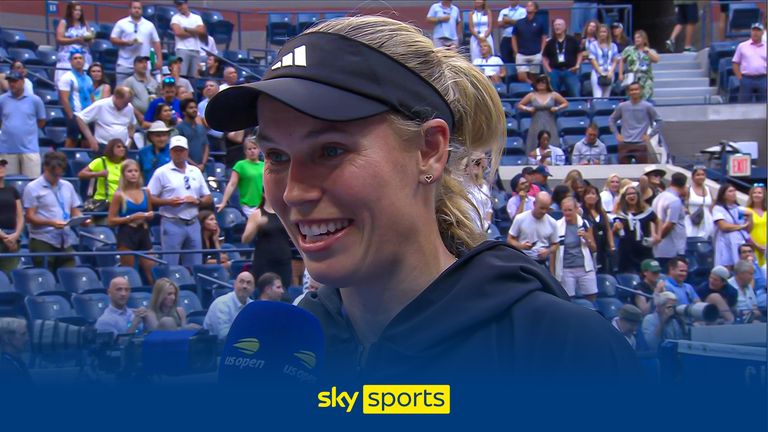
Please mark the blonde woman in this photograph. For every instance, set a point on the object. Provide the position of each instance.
(609, 197)
(481, 28)
(604, 56)
(164, 312)
(756, 203)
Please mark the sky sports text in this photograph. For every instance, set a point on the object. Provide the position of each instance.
(391, 399)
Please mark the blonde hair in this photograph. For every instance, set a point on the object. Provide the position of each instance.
(607, 185)
(479, 123)
(123, 167)
(157, 290)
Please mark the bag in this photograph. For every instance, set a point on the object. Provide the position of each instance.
(92, 205)
(604, 81)
(697, 217)
(629, 78)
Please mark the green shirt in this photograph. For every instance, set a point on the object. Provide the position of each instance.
(113, 178)
(251, 182)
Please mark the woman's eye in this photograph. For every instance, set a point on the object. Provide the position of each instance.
(276, 157)
(332, 151)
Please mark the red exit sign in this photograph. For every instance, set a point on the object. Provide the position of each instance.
(740, 165)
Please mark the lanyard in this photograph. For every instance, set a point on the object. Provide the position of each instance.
(56, 190)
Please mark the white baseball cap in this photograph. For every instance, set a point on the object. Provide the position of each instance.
(179, 141)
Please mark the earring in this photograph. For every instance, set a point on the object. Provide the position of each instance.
(429, 178)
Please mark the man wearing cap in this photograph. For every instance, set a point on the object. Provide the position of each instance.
(677, 271)
(629, 320)
(540, 175)
(717, 291)
(663, 324)
(530, 176)
(669, 241)
(21, 115)
(447, 20)
(112, 117)
(178, 190)
(637, 117)
(589, 150)
(195, 133)
(156, 152)
(75, 94)
(168, 97)
(534, 231)
(189, 31)
(142, 85)
(561, 59)
(17, 66)
(749, 66)
(650, 285)
(134, 37)
(174, 69)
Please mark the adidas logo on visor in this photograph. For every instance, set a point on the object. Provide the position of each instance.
(297, 57)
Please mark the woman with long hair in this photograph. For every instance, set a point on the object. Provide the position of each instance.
(731, 227)
(478, 188)
(589, 34)
(634, 224)
(210, 234)
(597, 217)
(481, 28)
(164, 312)
(101, 87)
(542, 103)
(698, 221)
(248, 178)
(131, 210)
(609, 197)
(272, 246)
(604, 57)
(106, 169)
(619, 37)
(638, 59)
(757, 204)
(72, 33)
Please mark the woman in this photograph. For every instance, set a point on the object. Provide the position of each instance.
(11, 222)
(589, 34)
(572, 263)
(544, 154)
(210, 234)
(638, 61)
(248, 178)
(101, 87)
(72, 33)
(756, 203)
(492, 66)
(634, 224)
(164, 312)
(559, 193)
(520, 200)
(479, 191)
(481, 28)
(575, 182)
(353, 181)
(609, 197)
(597, 218)
(271, 244)
(544, 103)
(165, 114)
(604, 57)
(131, 211)
(106, 170)
(698, 221)
(618, 36)
(731, 227)
(647, 193)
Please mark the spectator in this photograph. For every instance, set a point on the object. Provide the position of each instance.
(561, 59)
(544, 103)
(749, 66)
(618, 36)
(655, 175)
(50, 204)
(106, 170)
(637, 64)
(75, 94)
(546, 154)
(605, 57)
(118, 318)
(530, 174)
(508, 17)
(157, 153)
(135, 37)
(609, 197)
(651, 285)
(647, 193)
(687, 16)
(528, 41)
(189, 31)
(756, 203)
(747, 253)
(628, 322)
(14, 340)
(731, 227)
(270, 287)
(215, 138)
(598, 219)
(589, 150)
(481, 28)
(583, 12)
(560, 192)
(575, 181)
(230, 77)
(143, 86)
(572, 263)
(195, 133)
(272, 248)
(178, 189)
(492, 66)
(698, 220)
(72, 35)
(113, 118)
(447, 20)
(478, 190)
(17, 66)
(521, 201)
(717, 291)
(101, 87)
(164, 312)
(634, 225)
(670, 239)
(165, 114)
(743, 279)
(677, 270)
(174, 70)
(213, 67)
(131, 210)
(168, 97)
(534, 231)
(21, 115)
(11, 221)
(636, 116)
(210, 234)
(589, 34)
(540, 174)
(224, 309)
(182, 94)
(209, 46)
(663, 324)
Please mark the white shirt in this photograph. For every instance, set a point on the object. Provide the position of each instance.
(110, 123)
(127, 29)
(191, 21)
(490, 66)
(222, 313)
(170, 182)
(514, 13)
(608, 200)
(28, 88)
(210, 46)
(747, 299)
(541, 233)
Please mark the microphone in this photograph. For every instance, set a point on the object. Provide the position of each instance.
(274, 343)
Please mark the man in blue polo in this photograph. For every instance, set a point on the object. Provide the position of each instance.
(678, 272)
(528, 42)
(21, 115)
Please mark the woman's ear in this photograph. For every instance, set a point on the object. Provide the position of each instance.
(434, 150)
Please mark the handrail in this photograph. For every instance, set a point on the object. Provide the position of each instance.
(218, 282)
(230, 63)
(634, 291)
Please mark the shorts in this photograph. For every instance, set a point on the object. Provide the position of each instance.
(133, 238)
(73, 130)
(26, 164)
(579, 281)
(521, 60)
(687, 13)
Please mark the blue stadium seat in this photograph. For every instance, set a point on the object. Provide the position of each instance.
(163, 15)
(47, 57)
(628, 280)
(221, 31)
(524, 125)
(177, 274)
(26, 55)
(514, 146)
(189, 301)
(725, 72)
(49, 97)
(210, 17)
(509, 109)
(585, 71)
(218, 197)
(238, 56)
(740, 19)
(518, 90)
(603, 107)
(215, 271)
(568, 141)
(584, 303)
(306, 20)
(50, 307)
(148, 12)
(603, 124)
(609, 307)
(721, 50)
(55, 114)
(606, 285)
(79, 280)
(516, 160)
(232, 223)
(513, 129)
(139, 299)
(216, 170)
(33, 281)
(575, 109)
(17, 39)
(103, 236)
(332, 15)
(501, 89)
(104, 30)
(130, 273)
(19, 182)
(572, 125)
(90, 306)
(280, 28)
(237, 266)
(11, 301)
(108, 57)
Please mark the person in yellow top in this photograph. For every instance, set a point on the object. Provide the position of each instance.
(106, 170)
(757, 204)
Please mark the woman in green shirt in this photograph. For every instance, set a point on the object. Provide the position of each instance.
(106, 170)
(247, 176)
(638, 59)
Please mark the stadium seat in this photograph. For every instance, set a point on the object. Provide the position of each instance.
(524, 125)
(232, 222)
(237, 266)
(50, 307)
(16, 39)
(514, 146)
(109, 57)
(26, 55)
(57, 134)
(332, 15)
(584, 303)
(740, 19)
(149, 12)
(104, 30)
(606, 285)
(306, 20)
(96, 236)
(628, 280)
(721, 50)
(221, 31)
(572, 125)
(139, 299)
(238, 56)
(513, 130)
(19, 182)
(210, 17)
(611, 143)
(177, 274)
(517, 160)
(33, 281)
(509, 109)
(90, 306)
(47, 57)
(189, 301)
(603, 124)
(11, 301)
(279, 28)
(518, 90)
(568, 141)
(609, 307)
(79, 280)
(214, 271)
(130, 273)
(585, 71)
(163, 15)
(501, 89)
(603, 107)
(575, 109)
(49, 97)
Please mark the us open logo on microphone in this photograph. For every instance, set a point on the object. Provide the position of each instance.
(248, 346)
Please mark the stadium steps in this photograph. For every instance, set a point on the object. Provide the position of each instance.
(682, 79)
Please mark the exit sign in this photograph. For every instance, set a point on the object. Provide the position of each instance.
(740, 165)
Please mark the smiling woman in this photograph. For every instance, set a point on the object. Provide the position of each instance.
(364, 124)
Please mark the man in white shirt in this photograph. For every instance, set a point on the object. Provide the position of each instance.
(113, 117)
(134, 36)
(229, 76)
(224, 309)
(507, 19)
(178, 190)
(188, 29)
(534, 231)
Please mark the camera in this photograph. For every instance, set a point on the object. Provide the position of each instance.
(698, 312)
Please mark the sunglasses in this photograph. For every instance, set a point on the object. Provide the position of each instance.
(760, 185)
(169, 80)
(187, 186)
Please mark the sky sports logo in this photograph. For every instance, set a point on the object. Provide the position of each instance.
(391, 399)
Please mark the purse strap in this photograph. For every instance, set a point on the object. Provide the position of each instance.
(94, 181)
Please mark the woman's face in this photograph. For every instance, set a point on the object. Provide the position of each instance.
(120, 151)
(590, 197)
(479, 4)
(485, 49)
(616, 32)
(758, 196)
(569, 211)
(613, 184)
(544, 141)
(631, 196)
(132, 173)
(320, 178)
(639, 41)
(523, 185)
(77, 12)
(603, 34)
(541, 86)
(730, 195)
(699, 177)
(591, 29)
(168, 297)
(252, 152)
(96, 73)
(210, 223)
(166, 114)
(210, 62)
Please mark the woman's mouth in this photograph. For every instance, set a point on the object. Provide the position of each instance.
(316, 232)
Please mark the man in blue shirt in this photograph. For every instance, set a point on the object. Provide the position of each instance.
(168, 97)
(75, 94)
(117, 318)
(21, 115)
(747, 253)
(528, 40)
(195, 133)
(156, 153)
(678, 272)
(447, 20)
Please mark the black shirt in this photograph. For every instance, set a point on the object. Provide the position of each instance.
(569, 47)
(8, 197)
(528, 34)
(728, 292)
